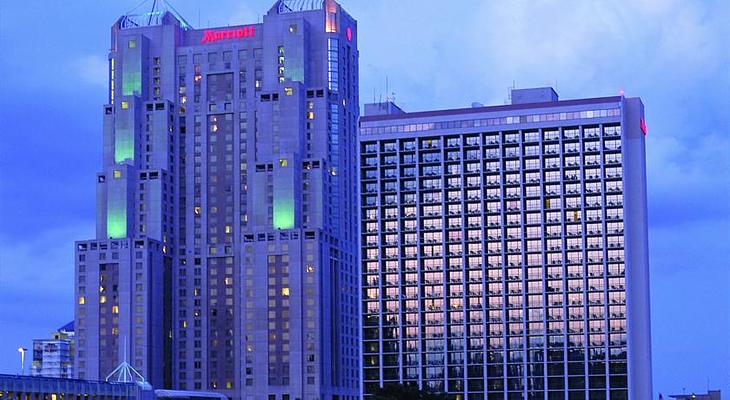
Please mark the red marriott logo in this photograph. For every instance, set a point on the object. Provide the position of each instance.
(238, 33)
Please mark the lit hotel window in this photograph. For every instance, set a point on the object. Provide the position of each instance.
(310, 115)
(292, 28)
(285, 291)
(283, 162)
(82, 300)
(132, 44)
(117, 174)
(288, 91)
(115, 309)
(125, 105)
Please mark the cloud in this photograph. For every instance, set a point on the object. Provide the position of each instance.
(39, 271)
(91, 69)
(36, 287)
(688, 179)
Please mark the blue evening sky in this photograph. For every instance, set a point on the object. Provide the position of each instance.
(674, 54)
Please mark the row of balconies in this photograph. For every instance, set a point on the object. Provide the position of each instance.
(571, 278)
(409, 157)
(499, 306)
(514, 278)
(474, 142)
(474, 252)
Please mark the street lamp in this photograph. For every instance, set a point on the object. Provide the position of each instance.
(22, 351)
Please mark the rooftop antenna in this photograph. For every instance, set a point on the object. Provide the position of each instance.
(152, 12)
(386, 89)
(509, 92)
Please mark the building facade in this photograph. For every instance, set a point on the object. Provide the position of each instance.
(504, 249)
(53, 357)
(225, 256)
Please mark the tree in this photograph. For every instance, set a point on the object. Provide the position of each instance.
(397, 391)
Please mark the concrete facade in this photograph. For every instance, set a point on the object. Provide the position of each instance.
(226, 252)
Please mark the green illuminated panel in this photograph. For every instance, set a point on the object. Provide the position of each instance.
(283, 213)
(123, 145)
(131, 71)
(131, 82)
(116, 221)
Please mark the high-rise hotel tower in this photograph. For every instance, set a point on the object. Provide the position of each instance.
(225, 255)
(504, 249)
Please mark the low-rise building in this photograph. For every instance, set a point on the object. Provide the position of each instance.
(53, 358)
(19, 387)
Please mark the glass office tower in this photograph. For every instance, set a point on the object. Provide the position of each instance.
(504, 249)
(225, 257)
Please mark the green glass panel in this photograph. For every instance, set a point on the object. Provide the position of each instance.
(123, 145)
(116, 221)
(131, 81)
(283, 213)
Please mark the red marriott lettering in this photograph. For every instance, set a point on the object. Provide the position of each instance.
(238, 33)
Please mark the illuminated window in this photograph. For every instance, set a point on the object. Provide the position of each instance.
(285, 291)
(292, 28)
(283, 162)
(117, 174)
(310, 268)
(115, 331)
(102, 299)
(132, 44)
(115, 309)
(228, 229)
(125, 105)
(257, 83)
(281, 79)
(281, 70)
(196, 210)
(281, 60)
(310, 115)
(288, 91)
(82, 300)
(281, 50)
